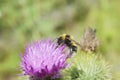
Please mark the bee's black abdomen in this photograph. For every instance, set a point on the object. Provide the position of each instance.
(74, 48)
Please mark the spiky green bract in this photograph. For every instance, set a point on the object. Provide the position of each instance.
(88, 66)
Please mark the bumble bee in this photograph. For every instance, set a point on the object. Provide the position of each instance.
(70, 43)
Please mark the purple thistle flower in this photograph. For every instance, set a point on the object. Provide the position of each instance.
(42, 60)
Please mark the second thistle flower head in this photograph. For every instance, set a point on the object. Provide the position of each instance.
(43, 60)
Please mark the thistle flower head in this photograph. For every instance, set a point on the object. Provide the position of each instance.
(43, 60)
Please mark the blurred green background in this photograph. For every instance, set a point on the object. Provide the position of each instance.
(24, 21)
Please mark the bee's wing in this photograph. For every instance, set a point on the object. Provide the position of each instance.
(54, 40)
